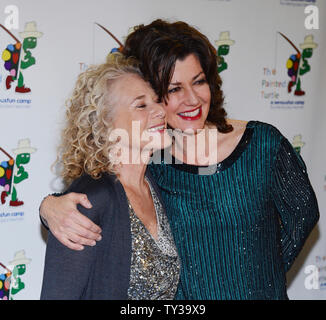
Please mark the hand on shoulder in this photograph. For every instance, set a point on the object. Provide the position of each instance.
(66, 223)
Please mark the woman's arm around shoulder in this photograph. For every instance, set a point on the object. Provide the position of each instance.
(66, 271)
(60, 214)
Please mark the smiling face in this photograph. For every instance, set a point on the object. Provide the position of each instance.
(135, 104)
(189, 96)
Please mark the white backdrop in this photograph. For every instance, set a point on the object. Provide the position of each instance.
(70, 41)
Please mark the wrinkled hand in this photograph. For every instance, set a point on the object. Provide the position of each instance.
(67, 224)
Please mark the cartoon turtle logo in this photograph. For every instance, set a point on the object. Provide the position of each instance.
(297, 143)
(18, 56)
(18, 266)
(12, 172)
(298, 65)
(223, 48)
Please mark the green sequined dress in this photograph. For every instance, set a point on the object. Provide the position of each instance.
(239, 226)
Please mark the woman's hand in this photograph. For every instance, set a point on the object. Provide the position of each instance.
(67, 224)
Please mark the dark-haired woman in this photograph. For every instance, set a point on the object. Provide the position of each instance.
(238, 222)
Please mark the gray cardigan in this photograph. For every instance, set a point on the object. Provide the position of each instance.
(102, 271)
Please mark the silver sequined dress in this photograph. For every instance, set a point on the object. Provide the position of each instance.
(155, 265)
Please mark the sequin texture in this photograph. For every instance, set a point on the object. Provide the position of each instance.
(155, 265)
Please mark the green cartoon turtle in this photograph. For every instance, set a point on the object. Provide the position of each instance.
(298, 65)
(13, 172)
(18, 57)
(223, 49)
(19, 268)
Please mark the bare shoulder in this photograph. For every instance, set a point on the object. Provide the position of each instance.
(238, 125)
(227, 142)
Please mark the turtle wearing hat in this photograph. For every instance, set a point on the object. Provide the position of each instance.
(298, 65)
(23, 154)
(297, 143)
(19, 268)
(18, 57)
(223, 49)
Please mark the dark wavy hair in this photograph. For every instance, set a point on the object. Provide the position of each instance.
(158, 45)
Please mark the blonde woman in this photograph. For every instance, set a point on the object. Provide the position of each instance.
(136, 258)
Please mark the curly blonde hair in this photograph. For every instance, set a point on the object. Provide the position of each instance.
(85, 146)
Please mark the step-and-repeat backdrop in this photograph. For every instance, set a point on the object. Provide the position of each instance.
(273, 70)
